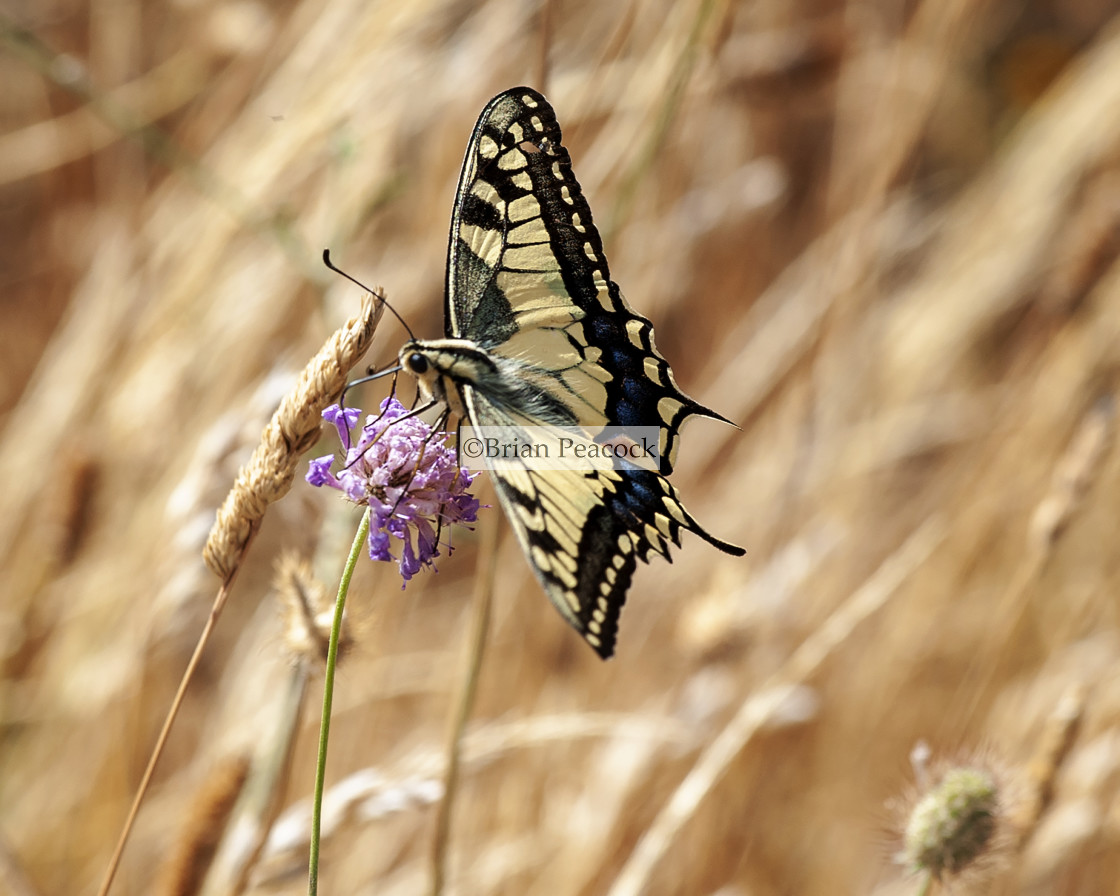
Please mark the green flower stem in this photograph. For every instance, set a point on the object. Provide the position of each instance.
(328, 697)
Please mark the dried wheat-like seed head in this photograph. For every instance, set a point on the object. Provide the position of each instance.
(292, 430)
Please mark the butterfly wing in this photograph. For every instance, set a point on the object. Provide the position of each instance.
(528, 285)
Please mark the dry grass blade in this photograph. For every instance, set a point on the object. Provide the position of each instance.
(307, 612)
(260, 804)
(1073, 476)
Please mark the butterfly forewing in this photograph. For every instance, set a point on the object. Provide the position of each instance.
(527, 277)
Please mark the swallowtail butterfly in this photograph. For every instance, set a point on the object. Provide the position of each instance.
(536, 332)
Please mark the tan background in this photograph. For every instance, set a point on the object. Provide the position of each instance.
(880, 236)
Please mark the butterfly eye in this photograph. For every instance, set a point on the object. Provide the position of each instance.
(417, 363)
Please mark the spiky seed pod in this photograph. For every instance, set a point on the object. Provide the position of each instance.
(954, 824)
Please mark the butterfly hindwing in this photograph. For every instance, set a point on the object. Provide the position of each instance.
(584, 529)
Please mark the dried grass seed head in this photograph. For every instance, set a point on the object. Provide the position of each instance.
(293, 429)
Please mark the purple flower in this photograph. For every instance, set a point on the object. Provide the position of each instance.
(407, 476)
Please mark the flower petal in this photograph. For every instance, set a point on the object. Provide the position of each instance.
(319, 472)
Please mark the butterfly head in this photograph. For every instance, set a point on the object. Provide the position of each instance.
(443, 366)
(417, 359)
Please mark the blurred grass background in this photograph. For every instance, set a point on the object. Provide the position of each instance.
(881, 236)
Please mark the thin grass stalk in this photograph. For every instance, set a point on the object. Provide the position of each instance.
(328, 698)
(667, 110)
(544, 38)
(259, 804)
(165, 731)
(1058, 738)
(1072, 478)
(480, 625)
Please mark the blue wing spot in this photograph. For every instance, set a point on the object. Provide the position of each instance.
(627, 413)
(637, 389)
(602, 327)
(624, 362)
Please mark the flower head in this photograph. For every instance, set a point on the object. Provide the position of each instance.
(960, 823)
(404, 472)
(953, 823)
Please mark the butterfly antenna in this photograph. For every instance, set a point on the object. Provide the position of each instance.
(327, 261)
(375, 375)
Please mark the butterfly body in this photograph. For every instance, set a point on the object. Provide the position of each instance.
(449, 366)
(536, 333)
